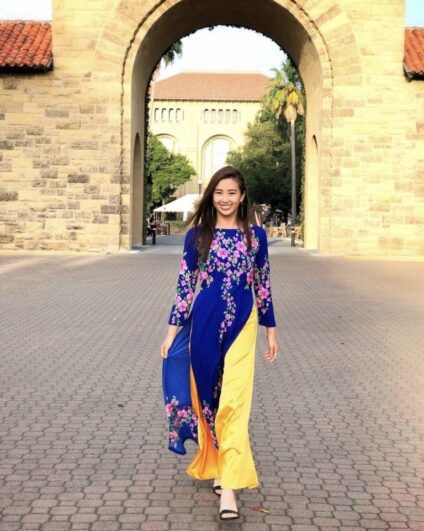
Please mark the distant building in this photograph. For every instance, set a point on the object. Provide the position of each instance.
(203, 115)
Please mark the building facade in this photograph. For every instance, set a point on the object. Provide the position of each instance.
(203, 115)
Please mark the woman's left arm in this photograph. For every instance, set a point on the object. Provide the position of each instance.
(262, 288)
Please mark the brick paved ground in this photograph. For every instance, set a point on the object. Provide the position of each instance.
(337, 424)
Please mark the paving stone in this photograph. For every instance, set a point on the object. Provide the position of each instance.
(337, 423)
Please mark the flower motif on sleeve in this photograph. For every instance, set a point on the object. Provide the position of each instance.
(184, 294)
(262, 283)
(262, 286)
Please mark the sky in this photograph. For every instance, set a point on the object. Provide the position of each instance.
(223, 48)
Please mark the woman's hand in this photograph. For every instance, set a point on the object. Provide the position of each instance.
(271, 354)
(169, 339)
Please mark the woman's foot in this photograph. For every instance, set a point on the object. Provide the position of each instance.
(228, 509)
(217, 487)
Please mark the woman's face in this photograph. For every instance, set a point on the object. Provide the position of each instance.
(227, 197)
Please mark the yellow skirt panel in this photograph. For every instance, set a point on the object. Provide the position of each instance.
(232, 462)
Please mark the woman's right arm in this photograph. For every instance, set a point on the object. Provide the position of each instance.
(186, 285)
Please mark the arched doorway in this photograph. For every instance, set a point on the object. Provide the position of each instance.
(136, 196)
(311, 37)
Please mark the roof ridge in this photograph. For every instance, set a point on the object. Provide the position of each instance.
(25, 21)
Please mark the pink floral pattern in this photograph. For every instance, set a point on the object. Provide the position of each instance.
(178, 418)
(229, 269)
(228, 254)
(262, 286)
(187, 280)
(210, 420)
(209, 412)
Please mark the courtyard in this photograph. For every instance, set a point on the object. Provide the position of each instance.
(337, 425)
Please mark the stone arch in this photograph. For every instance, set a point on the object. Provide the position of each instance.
(316, 35)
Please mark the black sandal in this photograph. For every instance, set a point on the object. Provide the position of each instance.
(215, 488)
(229, 511)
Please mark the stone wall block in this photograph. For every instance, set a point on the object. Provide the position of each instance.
(6, 144)
(56, 113)
(50, 173)
(6, 237)
(9, 196)
(35, 130)
(68, 124)
(78, 178)
(100, 218)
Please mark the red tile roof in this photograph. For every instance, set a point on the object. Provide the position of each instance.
(25, 45)
(217, 86)
(414, 52)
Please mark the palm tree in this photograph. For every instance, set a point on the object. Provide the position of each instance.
(174, 51)
(285, 96)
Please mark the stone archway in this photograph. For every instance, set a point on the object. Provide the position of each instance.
(316, 35)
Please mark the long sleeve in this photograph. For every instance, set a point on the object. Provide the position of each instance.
(186, 284)
(262, 283)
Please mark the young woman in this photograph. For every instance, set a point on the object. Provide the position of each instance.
(209, 354)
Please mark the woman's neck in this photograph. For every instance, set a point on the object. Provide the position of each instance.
(226, 223)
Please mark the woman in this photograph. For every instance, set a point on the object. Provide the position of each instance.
(209, 362)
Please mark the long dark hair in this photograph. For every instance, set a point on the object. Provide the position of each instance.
(204, 215)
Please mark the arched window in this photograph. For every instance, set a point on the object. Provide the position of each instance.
(234, 116)
(156, 115)
(215, 155)
(227, 116)
(163, 115)
(206, 115)
(220, 116)
(178, 115)
(213, 116)
(170, 142)
(171, 114)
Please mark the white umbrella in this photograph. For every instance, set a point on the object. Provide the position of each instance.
(183, 204)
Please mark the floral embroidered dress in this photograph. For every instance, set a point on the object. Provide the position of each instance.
(219, 313)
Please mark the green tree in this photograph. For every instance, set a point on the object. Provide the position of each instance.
(165, 171)
(265, 158)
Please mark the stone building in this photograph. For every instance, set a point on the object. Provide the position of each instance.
(203, 115)
(72, 122)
